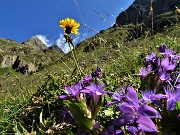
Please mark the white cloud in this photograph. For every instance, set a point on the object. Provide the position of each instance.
(61, 43)
(44, 39)
(65, 46)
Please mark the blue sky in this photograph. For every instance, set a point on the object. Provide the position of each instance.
(22, 19)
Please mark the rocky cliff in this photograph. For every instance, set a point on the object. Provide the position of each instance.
(139, 12)
(27, 57)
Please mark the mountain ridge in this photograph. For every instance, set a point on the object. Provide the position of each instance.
(108, 41)
(139, 12)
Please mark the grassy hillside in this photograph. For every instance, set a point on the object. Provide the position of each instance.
(119, 51)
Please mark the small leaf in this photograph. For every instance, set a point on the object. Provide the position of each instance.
(79, 112)
(178, 105)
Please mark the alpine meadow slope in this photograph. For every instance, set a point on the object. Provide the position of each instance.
(32, 75)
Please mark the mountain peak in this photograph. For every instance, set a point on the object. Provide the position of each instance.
(36, 43)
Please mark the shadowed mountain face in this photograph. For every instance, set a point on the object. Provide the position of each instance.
(139, 12)
(55, 48)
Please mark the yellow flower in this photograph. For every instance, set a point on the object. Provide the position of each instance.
(69, 25)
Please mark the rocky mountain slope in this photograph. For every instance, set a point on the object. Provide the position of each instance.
(139, 12)
(36, 43)
(27, 57)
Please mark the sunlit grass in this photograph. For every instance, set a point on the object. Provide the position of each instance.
(119, 58)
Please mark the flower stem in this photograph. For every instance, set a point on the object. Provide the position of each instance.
(75, 58)
(177, 79)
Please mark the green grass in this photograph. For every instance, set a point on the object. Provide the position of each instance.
(120, 59)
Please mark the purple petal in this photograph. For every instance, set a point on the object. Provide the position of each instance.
(133, 130)
(77, 88)
(158, 103)
(149, 111)
(63, 97)
(117, 96)
(159, 96)
(126, 108)
(171, 105)
(69, 89)
(151, 57)
(123, 120)
(162, 76)
(111, 103)
(165, 63)
(171, 67)
(99, 71)
(88, 78)
(104, 133)
(162, 48)
(132, 95)
(96, 125)
(85, 91)
(117, 132)
(146, 124)
(111, 129)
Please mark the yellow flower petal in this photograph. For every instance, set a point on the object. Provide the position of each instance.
(69, 25)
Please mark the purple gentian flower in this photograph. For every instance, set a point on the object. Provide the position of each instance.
(133, 114)
(165, 51)
(73, 92)
(117, 96)
(132, 111)
(144, 71)
(67, 116)
(175, 59)
(173, 96)
(99, 72)
(96, 125)
(162, 48)
(151, 58)
(86, 80)
(165, 67)
(151, 96)
(97, 91)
